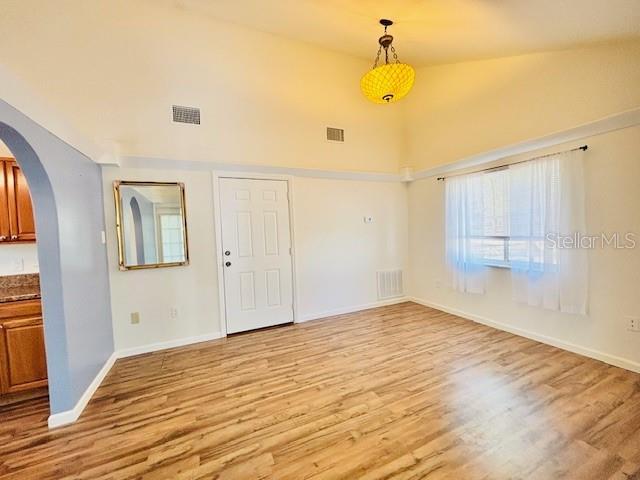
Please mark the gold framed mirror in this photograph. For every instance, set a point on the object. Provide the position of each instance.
(151, 223)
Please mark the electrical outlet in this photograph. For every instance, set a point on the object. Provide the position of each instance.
(173, 313)
(633, 324)
(438, 283)
(135, 318)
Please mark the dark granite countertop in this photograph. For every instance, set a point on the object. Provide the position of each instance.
(14, 288)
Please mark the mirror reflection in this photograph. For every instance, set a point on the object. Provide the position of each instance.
(151, 224)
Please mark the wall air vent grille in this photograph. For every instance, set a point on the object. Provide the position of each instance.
(335, 134)
(186, 115)
(389, 284)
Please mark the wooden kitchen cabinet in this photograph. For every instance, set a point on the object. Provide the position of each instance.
(23, 363)
(17, 223)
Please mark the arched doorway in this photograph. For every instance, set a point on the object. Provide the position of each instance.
(66, 192)
(44, 206)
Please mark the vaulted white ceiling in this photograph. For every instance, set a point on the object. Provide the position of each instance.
(434, 31)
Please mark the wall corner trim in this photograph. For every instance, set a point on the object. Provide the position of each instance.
(248, 169)
(554, 342)
(70, 416)
(617, 121)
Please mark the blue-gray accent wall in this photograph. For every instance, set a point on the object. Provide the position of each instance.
(66, 190)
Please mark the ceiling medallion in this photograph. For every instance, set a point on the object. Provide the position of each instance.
(388, 82)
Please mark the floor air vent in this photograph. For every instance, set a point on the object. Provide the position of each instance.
(186, 115)
(389, 284)
(335, 134)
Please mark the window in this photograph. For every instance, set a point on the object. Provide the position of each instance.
(492, 245)
(171, 237)
(500, 227)
(509, 217)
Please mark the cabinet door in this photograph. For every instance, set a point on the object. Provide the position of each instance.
(21, 221)
(23, 355)
(5, 232)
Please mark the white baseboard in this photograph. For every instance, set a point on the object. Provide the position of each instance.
(355, 308)
(180, 342)
(194, 165)
(70, 416)
(554, 342)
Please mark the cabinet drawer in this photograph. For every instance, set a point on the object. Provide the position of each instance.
(20, 309)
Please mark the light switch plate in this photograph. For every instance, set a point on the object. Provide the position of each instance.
(135, 318)
(368, 219)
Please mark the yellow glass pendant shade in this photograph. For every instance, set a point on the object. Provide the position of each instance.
(388, 83)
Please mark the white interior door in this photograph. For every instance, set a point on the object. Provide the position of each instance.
(256, 245)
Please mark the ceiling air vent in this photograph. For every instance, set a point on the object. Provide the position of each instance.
(186, 115)
(335, 134)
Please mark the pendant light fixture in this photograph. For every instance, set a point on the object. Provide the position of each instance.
(388, 82)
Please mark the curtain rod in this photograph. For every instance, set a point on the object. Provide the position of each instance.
(583, 148)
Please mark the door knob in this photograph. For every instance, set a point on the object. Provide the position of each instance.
(14, 237)
(3, 238)
(228, 264)
(227, 253)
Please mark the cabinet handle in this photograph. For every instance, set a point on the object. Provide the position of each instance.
(14, 237)
(3, 238)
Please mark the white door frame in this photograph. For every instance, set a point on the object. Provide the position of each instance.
(217, 220)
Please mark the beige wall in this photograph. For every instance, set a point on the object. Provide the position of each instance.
(463, 109)
(612, 172)
(336, 253)
(192, 290)
(113, 69)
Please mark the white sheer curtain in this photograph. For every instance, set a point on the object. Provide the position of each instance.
(464, 220)
(547, 202)
(516, 218)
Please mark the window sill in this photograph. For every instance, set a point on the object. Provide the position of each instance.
(497, 265)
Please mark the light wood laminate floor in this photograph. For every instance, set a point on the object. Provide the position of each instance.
(402, 392)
